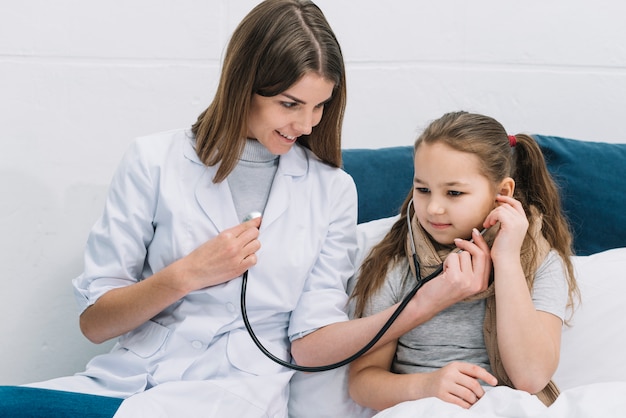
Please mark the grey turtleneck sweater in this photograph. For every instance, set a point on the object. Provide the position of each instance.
(251, 180)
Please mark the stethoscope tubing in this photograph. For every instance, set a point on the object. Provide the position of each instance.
(405, 301)
(367, 347)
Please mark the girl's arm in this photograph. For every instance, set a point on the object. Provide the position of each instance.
(529, 340)
(373, 385)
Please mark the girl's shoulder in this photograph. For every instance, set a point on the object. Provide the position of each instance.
(553, 262)
(398, 282)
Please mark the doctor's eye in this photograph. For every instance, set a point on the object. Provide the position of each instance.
(289, 105)
(423, 190)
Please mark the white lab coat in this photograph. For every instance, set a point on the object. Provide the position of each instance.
(162, 204)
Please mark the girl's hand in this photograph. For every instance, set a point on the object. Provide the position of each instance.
(513, 227)
(224, 257)
(458, 383)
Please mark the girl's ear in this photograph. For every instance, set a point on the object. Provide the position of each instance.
(507, 187)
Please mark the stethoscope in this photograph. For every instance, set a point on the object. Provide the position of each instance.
(421, 281)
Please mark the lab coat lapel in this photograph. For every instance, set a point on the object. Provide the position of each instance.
(291, 165)
(214, 199)
(217, 202)
(278, 200)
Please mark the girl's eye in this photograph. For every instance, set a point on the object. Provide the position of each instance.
(454, 193)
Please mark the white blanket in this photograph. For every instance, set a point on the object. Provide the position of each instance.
(604, 400)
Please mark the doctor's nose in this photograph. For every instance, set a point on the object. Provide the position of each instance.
(304, 125)
(306, 121)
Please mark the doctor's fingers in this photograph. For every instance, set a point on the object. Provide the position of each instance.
(464, 278)
(241, 233)
(233, 240)
(250, 249)
(478, 249)
(254, 223)
(478, 267)
(480, 262)
(224, 254)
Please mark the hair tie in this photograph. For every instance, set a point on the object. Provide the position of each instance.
(512, 140)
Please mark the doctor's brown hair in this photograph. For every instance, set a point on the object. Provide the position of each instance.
(534, 187)
(273, 47)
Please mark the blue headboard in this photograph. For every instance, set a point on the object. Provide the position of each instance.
(383, 177)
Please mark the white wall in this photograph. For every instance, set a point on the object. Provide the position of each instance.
(79, 80)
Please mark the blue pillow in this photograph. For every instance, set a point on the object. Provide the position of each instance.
(592, 181)
(383, 177)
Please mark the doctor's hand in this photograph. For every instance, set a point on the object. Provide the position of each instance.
(216, 261)
(225, 257)
(465, 274)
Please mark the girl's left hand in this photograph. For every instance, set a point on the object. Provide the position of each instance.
(513, 226)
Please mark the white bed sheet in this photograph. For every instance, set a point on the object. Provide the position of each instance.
(604, 400)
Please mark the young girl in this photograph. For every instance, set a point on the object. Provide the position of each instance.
(471, 176)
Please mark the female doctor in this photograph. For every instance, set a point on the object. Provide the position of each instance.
(164, 263)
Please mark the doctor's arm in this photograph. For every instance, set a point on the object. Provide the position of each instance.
(218, 260)
(465, 274)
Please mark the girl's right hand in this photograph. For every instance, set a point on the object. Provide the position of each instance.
(458, 383)
(223, 258)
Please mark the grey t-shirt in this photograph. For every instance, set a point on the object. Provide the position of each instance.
(456, 333)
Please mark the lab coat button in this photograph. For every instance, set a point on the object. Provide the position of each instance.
(197, 344)
(230, 307)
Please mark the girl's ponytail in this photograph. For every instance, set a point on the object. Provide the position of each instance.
(534, 186)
